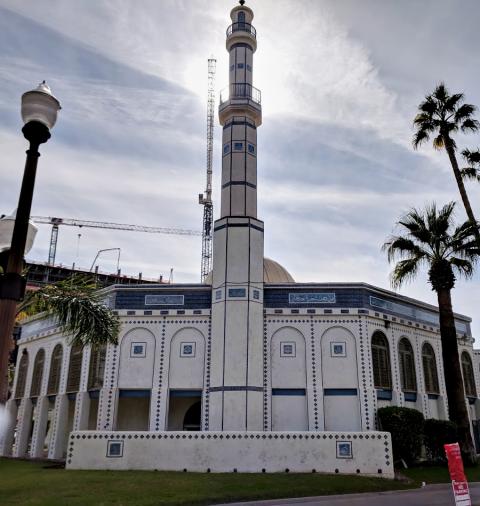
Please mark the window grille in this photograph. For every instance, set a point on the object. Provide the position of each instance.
(22, 376)
(37, 373)
(407, 366)
(468, 378)
(381, 361)
(74, 368)
(97, 367)
(55, 370)
(430, 369)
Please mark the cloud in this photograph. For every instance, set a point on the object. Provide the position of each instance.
(340, 83)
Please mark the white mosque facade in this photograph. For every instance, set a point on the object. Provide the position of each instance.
(250, 372)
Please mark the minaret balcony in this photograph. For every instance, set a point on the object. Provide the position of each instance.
(242, 27)
(241, 33)
(241, 91)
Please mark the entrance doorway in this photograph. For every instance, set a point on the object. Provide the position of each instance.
(185, 410)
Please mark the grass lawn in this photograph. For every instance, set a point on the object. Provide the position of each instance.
(38, 483)
(438, 474)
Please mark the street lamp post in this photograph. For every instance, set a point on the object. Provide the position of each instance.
(39, 114)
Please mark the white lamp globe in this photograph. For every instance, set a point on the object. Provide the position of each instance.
(40, 105)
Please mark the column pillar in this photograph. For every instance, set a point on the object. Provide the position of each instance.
(39, 427)
(7, 436)
(23, 427)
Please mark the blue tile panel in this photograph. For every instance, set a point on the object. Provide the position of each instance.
(135, 299)
(351, 297)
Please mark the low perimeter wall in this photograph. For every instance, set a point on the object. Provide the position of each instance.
(366, 453)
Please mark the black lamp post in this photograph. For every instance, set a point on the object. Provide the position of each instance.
(39, 114)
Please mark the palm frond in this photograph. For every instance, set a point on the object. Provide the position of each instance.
(399, 247)
(470, 125)
(464, 112)
(438, 142)
(404, 271)
(462, 266)
(470, 173)
(420, 137)
(471, 157)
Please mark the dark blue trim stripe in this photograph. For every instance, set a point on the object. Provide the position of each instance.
(232, 225)
(241, 44)
(289, 391)
(134, 393)
(410, 396)
(94, 394)
(185, 393)
(340, 392)
(235, 183)
(383, 394)
(433, 396)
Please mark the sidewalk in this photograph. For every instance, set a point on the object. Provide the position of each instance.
(431, 495)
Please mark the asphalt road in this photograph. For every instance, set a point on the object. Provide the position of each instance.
(435, 495)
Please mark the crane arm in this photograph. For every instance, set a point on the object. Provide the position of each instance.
(114, 226)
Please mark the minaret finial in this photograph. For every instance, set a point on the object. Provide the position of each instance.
(241, 2)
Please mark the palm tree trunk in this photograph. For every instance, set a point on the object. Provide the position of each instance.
(461, 187)
(453, 375)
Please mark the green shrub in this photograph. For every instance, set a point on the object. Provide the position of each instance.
(436, 434)
(406, 427)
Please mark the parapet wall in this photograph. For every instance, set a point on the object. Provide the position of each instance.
(365, 453)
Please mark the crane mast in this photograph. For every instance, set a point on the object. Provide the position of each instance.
(205, 199)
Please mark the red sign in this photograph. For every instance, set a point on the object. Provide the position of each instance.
(457, 475)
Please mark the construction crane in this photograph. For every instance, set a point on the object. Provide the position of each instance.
(205, 199)
(56, 222)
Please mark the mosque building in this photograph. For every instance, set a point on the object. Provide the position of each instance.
(250, 371)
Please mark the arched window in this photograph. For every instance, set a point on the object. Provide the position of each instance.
(468, 377)
(241, 17)
(55, 370)
(381, 361)
(97, 367)
(407, 366)
(430, 369)
(22, 375)
(75, 368)
(37, 373)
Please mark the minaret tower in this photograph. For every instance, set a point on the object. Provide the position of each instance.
(236, 399)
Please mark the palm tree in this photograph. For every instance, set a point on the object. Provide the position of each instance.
(77, 306)
(429, 239)
(472, 171)
(441, 115)
(76, 303)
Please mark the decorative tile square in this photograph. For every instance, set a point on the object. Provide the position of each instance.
(237, 292)
(287, 349)
(138, 350)
(187, 350)
(115, 449)
(344, 450)
(338, 349)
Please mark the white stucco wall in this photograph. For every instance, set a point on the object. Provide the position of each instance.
(241, 451)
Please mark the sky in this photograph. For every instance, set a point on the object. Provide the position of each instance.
(340, 82)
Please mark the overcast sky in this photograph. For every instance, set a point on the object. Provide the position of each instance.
(340, 83)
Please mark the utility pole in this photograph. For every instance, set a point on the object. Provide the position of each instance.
(205, 199)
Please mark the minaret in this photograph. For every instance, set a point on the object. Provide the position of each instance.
(236, 398)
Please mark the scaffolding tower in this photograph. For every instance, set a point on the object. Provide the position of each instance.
(205, 199)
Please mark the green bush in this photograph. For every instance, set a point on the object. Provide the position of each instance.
(406, 427)
(436, 434)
